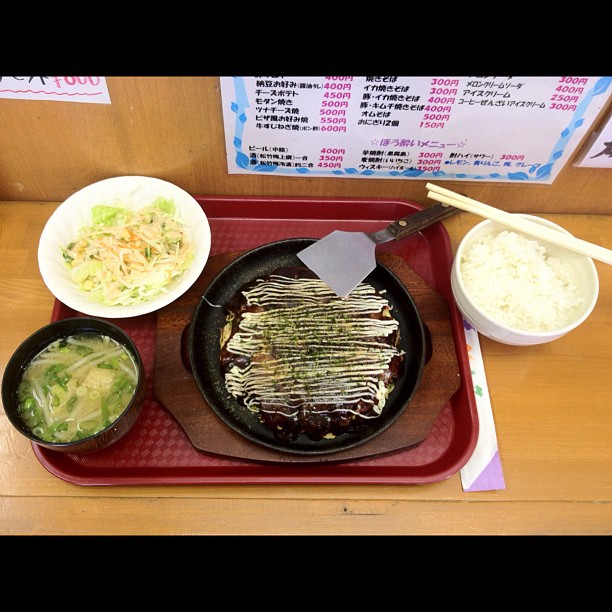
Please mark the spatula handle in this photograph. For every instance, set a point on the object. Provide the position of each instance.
(420, 220)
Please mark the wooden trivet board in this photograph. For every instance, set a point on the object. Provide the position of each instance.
(175, 387)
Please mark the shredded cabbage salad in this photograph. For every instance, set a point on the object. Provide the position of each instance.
(127, 257)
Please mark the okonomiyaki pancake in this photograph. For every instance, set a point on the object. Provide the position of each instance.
(307, 361)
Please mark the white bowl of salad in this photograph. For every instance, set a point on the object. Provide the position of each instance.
(124, 247)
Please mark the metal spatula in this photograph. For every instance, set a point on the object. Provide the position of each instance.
(344, 259)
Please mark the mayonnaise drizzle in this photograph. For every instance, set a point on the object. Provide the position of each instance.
(307, 346)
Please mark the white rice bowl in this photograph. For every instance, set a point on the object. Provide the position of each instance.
(516, 289)
(131, 192)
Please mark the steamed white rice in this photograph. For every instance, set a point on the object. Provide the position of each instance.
(510, 277)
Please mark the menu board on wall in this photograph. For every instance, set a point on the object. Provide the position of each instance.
(598, 154)
(496, 129)
(92, 90)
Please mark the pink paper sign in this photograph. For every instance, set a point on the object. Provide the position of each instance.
(92, 90)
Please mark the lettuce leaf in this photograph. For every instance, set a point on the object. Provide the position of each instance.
(102, 214)
(79, 274)
(165, 205)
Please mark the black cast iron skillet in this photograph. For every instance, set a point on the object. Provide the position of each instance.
(204, 348)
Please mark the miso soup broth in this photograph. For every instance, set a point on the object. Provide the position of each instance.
(76, 387)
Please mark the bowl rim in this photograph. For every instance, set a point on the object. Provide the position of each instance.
(527, 334)
(19, 366)
(77, 205)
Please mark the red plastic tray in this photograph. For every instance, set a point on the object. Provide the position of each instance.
(157, 451)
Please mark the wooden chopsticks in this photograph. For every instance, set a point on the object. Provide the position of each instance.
(518, 223)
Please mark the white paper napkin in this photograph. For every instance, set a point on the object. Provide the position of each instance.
(483, 471)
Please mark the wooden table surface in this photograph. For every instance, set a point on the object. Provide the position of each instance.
(552, 406)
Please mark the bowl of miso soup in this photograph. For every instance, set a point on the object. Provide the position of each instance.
(75, 386)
